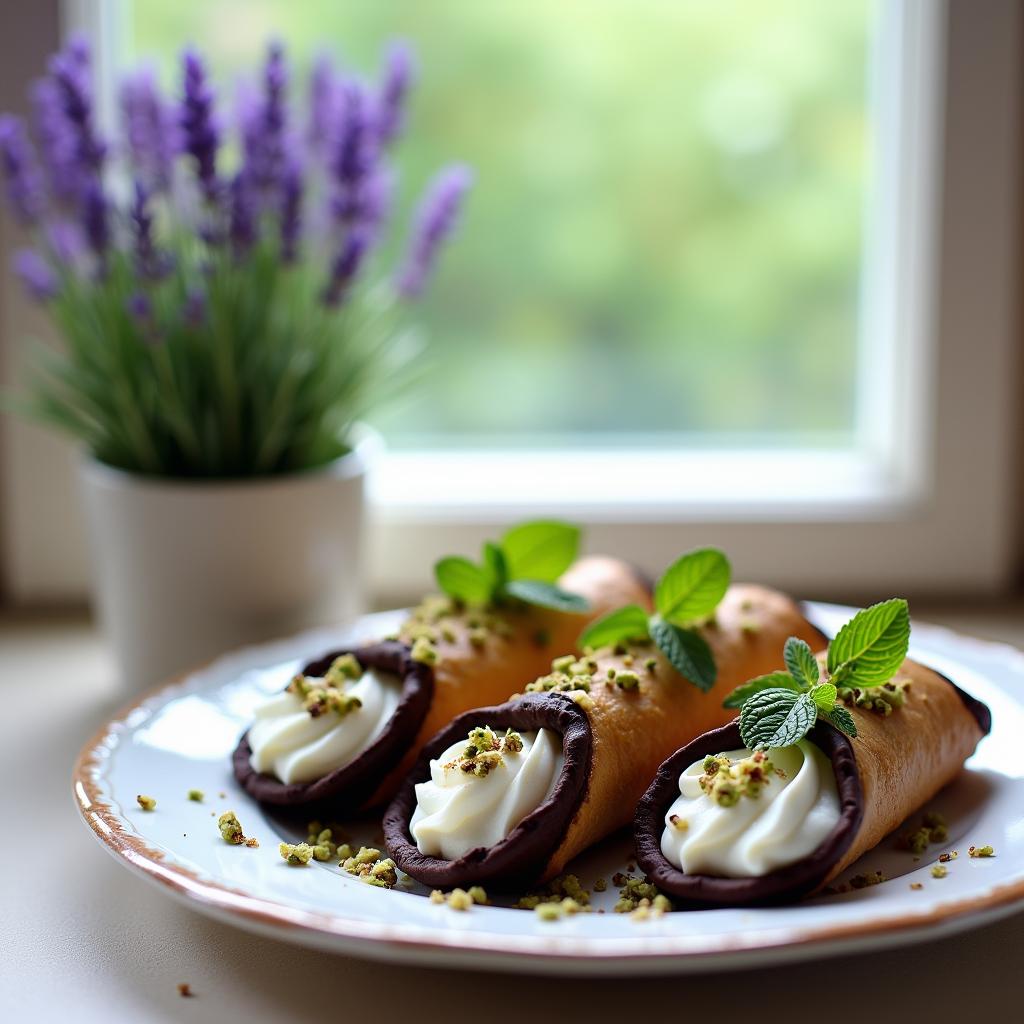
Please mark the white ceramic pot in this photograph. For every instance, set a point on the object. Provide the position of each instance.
(185, 570)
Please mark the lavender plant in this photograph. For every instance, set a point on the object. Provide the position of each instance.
(216, 280)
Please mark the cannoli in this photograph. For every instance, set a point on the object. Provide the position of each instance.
(508, 795)
(347, 728)
(727, 822)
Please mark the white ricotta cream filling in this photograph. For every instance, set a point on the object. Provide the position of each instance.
(457, 811)
(289, 743)
(791, 814)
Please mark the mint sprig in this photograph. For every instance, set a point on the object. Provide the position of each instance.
(780, 709)
(687, 593)
(523, 565)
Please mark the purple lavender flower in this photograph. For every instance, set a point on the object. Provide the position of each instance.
(149, 261)
(355, 153)
(243, 215)
(435, 220)
(56, 141)
(150, 130)
(96, 221)
(346, 266)
(20, 173)
(291, 211)
(195, 307)
(399, 73)
(323, 104)
(200, 135)
(36, 275)
(139, 307)
(64, 240)
(265, 129)
(70, 71)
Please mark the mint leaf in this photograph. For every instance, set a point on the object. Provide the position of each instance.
(800, 661)
(540, 550)
(464, 580)
(770, 681)
(692, 587)
(842, 720)
(546, 595)
(687, 651)
(870, 648)
(495, 566)
(776, 718)
(824, 697)
(628, 623)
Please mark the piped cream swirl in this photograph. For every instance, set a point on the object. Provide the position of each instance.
(293, 745)
(788, 818)
(458, 811)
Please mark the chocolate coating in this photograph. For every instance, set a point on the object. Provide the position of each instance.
(520, 858)
(780, 886)
(347, 788)
(982, 714)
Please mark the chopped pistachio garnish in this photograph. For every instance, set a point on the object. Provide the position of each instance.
(917, 885)
(230, 828)
(196, 795)
(296, 854)
(147, 803)
(369, 867)
(981, 851)
(560, 908)
(647, 908)
(679, 824)
(750, 627)
(726, 782)
(459, 899)
(883, 700)
(562, 664)
(564, 887)
(864, 881)
(561, 682)
(437, 896)
(939, 871)
(423, 651)
(584, 700)
(945, 858)
(322, 695)
(635, 893)
(344, 667)
(933, 830)
(650, 664)
(627, 680)
(485, 751)
(548, 911)
(600, 885)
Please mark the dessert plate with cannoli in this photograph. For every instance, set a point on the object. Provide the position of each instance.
(554, 764)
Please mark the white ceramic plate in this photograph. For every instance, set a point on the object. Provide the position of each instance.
(181, 738)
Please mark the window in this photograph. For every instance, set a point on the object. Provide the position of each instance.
(739, 272)
(665, 246)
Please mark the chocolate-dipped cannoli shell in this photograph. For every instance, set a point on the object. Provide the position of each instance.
(521, 857)
(632, 730)
(348, 787)
(514, 651)
(896, 764)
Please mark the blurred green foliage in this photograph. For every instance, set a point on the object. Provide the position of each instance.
(666, 232)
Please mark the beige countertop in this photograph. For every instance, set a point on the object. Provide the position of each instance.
(83, 940)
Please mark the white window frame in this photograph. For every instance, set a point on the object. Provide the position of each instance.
(924, 503)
